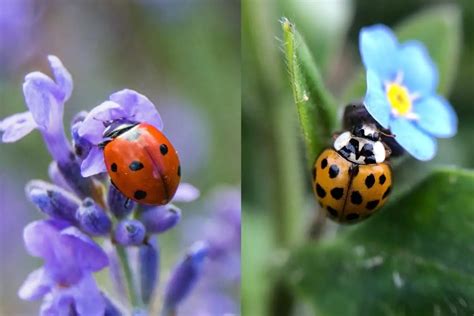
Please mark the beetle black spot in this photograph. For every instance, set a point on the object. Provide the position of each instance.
(382, 179)
(337, 193)
(135, 166)
(333, 171)
(179, 171)
(113, 167)
(372, 204)
(139, 195)
(356, 198)
(163, 149)
(320, 191)
(387, 192)
(369, 181)
(352, 216)
(324, 163)
(370, 160)
(332, 211)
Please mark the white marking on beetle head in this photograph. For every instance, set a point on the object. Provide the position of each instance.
(379, 152)
(342, 140)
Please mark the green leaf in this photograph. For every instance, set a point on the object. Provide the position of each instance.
(315, 105)
(414, 258)
(439, 29)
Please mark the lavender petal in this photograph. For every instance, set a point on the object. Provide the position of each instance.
(62, 76)
(186, 193)
(93, 163)
(16, 126)
(36, 285)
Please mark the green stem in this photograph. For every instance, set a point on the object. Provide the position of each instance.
(132, 292)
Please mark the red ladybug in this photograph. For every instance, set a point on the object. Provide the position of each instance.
(141, 162)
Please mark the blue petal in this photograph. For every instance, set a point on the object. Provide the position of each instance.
(375, 100)
(415, 141)
(378, 47)
(17, 126)
(62, 76)
(436, 116)
(419, 72)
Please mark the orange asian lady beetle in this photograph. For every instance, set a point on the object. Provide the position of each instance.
(141, 162)
(353, 179)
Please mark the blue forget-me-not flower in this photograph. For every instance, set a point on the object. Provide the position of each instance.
(401, 91)
(81, 206)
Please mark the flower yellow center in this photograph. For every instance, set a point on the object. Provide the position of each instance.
(399, 98)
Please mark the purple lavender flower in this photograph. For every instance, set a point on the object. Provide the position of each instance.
(130, 232)
(45, 100)
(184, 276)
(159, 219)
(65, 281)
(52, 200)
(92, 218)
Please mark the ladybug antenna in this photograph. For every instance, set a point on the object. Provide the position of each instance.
(388, 135)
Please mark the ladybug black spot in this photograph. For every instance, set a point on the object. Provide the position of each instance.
(332, 211)
(352, 216)
(113, 167)
(356, 198)
(372, 204)
(337, 193)
(382, 179)
(139, 195)
(135, 166)
(324, 163)
(333, 171)
(369, 181)
(179, 171)
(163, 149)
(320, 191)
(387, 192)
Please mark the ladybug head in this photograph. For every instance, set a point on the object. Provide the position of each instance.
(116, 127)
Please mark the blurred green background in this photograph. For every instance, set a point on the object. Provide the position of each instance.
(183, 55)
(279, 208)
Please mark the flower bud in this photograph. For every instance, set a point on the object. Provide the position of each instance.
(52, 200)
(92, 218)
(129, 232)
(185, 275)
(81, 145)
(119, 205)
(149, 257)
(56, 176)
(159, 219)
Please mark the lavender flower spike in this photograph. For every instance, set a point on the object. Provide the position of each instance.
(53, 200)
(184, 277)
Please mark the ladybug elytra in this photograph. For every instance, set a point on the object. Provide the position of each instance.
(141, 162)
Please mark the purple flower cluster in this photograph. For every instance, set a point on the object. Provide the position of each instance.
(81, 207)
(221, 230)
